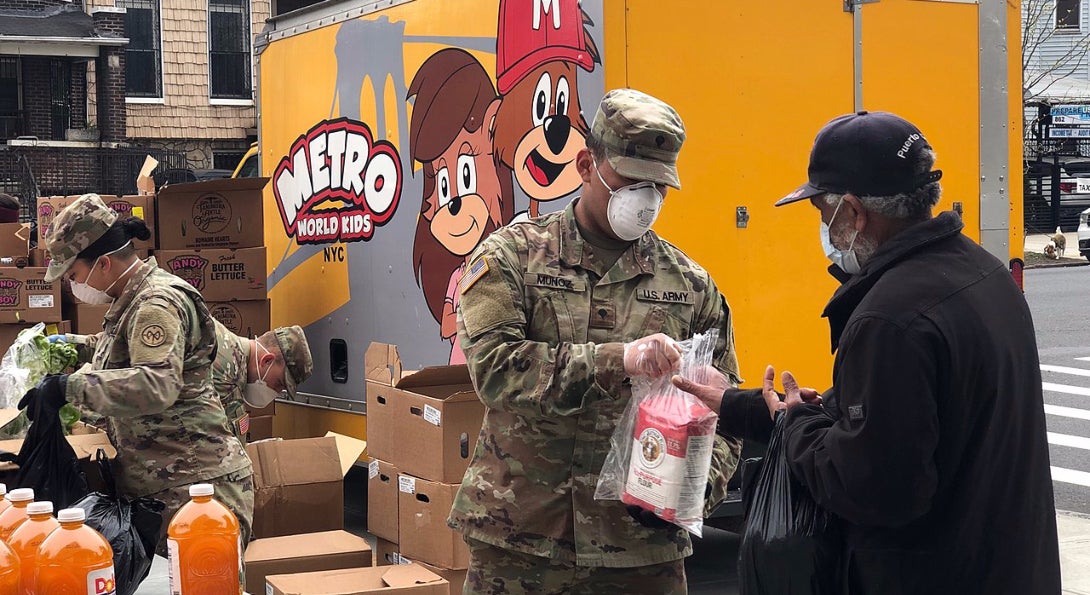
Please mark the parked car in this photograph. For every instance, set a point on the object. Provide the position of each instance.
(1084, 234)
(186, 175)
(1038, 193)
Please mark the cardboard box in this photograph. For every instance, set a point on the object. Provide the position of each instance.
(26, 297)
(382, 500)
(246, 319)
(225, 213)
(142, 207)
(386, 553)
(308, 552)
(299, 484)
(423, 534)
(8, 332)
(261, 428)
(15, 243)
(220, 275)
(409, 579)
(48, 209)
(426, 424)
(456, 578)
(86, 318)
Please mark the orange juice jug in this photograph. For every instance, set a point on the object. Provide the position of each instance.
(75, 559)
(4, 502)
(204, 547)
(9, 571)
(29, 536)
(14, 516)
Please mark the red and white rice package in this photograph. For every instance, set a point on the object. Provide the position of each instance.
(661, 449)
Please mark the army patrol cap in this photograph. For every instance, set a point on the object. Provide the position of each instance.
(78, 226)
(298, 364)
(641, 134)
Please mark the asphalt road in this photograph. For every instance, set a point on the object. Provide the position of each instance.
(1058, 298)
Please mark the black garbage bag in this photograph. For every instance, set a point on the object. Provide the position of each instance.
(131, 526)
(789, 544)
(47, 463)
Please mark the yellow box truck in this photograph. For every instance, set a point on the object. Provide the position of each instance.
(358, 97)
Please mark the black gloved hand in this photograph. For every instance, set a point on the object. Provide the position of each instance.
(49, 393)
(647, 518)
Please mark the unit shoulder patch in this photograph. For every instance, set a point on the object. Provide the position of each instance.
(153, 335)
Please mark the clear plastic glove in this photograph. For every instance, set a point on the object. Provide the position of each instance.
(56, 339)
(653, 356)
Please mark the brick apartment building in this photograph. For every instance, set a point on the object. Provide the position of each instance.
(88, 87)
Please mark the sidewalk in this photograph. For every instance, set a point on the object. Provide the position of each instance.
(1074, 532)
(1035, 244)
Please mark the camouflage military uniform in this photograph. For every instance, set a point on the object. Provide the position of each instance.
(543, 322)
(150, 376)
(229, 376)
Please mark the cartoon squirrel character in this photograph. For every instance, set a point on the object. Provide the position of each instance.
(467, 192)
(539, 126)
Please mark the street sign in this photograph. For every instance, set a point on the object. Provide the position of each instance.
(1082, 185)
(1072, 111)
(1072, 120)
(1069, 132)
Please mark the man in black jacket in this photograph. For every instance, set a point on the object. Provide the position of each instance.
(931, 443)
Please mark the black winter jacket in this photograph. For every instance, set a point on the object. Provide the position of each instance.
(936, 457)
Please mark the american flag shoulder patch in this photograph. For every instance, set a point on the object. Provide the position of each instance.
(244, 424)
(473, 274)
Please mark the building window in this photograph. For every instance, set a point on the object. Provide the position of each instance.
(1068, 14)
(143, 66)
(227, 160)
(229, 49)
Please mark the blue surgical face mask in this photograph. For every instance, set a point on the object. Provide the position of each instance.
(845, 259)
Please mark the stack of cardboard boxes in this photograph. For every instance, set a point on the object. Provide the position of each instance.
(422, 428)
(301, 545)
(25, 297)
(212, 235)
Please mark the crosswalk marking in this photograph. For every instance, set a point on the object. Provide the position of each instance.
(1064, 388)
(1063, 370)
(1081, 478)
(1067, 411)
(1069, 440)
(1083, 359)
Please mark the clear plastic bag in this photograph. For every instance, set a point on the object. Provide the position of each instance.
(29, 359)
(661, 450)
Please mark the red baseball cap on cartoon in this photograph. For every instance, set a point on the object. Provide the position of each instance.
(535, 32)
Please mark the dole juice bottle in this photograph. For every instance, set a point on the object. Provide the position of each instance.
(10, 575)
(4, 502)
(75, 559)
(204, 547)
(29, 536)
(14, 516)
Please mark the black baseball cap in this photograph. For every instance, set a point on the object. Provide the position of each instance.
(865, 154)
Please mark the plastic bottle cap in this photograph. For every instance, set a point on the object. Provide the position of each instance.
(21, 495)
(70, 515)
(201, 489)
(45, 507)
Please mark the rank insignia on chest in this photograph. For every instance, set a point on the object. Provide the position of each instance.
(603, 316)
(473, 274)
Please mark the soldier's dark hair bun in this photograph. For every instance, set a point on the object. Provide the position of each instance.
(135, 227)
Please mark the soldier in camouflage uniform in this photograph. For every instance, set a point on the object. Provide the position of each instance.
(254, 371)
(557, 315)
(149, 371)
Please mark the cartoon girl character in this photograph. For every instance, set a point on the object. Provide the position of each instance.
(467, 193)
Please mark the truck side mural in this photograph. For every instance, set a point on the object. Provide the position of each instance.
(487, 126)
